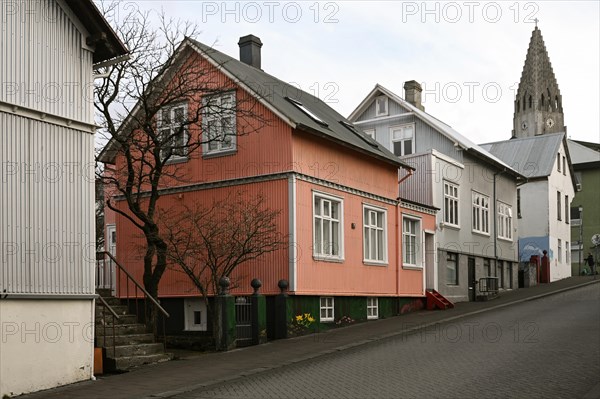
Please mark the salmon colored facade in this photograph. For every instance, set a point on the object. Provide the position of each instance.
(297, 170)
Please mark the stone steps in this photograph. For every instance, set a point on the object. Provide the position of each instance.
(134, 346)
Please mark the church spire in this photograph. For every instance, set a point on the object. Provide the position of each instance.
(538, 103)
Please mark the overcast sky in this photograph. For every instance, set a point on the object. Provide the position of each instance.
(468, 55)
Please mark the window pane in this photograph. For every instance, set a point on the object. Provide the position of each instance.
(335, 244)
(398, 148)
(327, 236)
(407, 147)
(318, 236)
(178, 115)
(165, 117)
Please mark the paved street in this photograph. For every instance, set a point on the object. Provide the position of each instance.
(385, 345)
(547, 348)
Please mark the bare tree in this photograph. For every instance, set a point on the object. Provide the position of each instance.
(211, 242)
(162, 72)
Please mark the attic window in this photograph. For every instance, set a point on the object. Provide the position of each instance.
(306, 111)
(351, 127)
(381, 106)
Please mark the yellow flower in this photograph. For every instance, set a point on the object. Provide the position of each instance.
(299, 317)
(311, 319)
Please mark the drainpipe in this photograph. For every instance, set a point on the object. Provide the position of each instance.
(496, 222)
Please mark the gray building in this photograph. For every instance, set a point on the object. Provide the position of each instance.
(475, 192)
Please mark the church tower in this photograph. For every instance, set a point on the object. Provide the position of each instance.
(538, 104)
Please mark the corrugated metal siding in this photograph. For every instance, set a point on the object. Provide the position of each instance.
(393, 109)
(426, 137)
(418, 187)
(269, 268)
(46, 214)
(42, 63)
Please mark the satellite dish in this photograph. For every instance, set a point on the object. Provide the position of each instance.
(596, 240)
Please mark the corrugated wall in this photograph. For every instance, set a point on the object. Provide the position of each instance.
(269, 268)
(426, 137)
(418, 187)
(46, 210)
(43, 65)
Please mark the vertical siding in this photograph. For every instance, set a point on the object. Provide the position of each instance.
(43, 65)
(269, 268)
(46, 214)
(426, 137)
(350, 276)
(393, 109)
(318, 158)
(418, 187)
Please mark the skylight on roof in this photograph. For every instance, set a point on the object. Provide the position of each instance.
(308, 112)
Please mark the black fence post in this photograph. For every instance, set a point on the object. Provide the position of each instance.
(259, 310)
(225, 313)
(281, 310)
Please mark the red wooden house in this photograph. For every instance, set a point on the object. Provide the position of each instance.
(335, 187)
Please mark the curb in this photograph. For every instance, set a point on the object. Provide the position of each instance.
(248, 373)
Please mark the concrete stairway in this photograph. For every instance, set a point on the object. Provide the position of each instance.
(133, 345)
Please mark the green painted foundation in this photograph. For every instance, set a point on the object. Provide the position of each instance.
(347, 311)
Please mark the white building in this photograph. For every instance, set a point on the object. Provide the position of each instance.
(544, 202)
(48, 50)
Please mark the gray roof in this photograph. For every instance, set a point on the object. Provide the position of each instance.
(582, 154)
(531, 156)
(277, 93)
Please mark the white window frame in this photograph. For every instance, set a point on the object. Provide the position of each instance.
(380, 234)
(481, 213)
(451, 204)
(327, 305)
(505, 221)
(323, 250)
(216, 143)
(386, 106)
(370, 133)
(416, 237)
(404, 129)
(190, 306)
(172, 127)
(372, 308)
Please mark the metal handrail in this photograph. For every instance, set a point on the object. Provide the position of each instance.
(146, 295)
(138, 285)
(106, 305)
(114, 325)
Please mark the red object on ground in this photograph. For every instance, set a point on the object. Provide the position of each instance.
(436, 300)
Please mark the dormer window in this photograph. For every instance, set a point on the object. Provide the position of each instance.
(381, 106)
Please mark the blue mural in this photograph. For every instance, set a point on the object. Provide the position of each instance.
(534, 246)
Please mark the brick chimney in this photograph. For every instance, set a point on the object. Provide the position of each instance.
(412, 93)
(250, 50)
